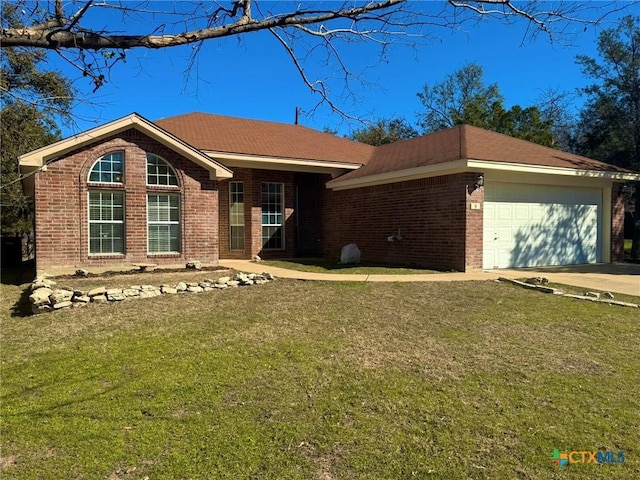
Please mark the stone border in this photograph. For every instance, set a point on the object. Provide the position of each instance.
(537, 283)
(46, 298)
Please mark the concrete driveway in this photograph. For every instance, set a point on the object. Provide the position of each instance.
(612, 277)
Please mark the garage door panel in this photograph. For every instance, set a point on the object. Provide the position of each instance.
(548, 231)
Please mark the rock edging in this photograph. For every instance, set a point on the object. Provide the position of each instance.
(596, 297)
(45, 297)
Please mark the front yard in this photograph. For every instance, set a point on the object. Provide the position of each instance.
(316, 380)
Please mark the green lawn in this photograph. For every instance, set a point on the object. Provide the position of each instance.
(627, 247)
(321, 265)
(316, 380)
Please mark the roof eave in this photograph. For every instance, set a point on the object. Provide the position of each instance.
(41, 156)
(282, 163)
(466, 165)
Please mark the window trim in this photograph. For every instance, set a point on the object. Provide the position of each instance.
(282, 216)
(169, 222)
(122, 222)
(172, 171)
(231, 222)
(100, 159)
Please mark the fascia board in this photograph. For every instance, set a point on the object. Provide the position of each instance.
(280, 163)
(547, 170)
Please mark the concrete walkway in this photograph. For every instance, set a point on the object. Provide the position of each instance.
(617, 278)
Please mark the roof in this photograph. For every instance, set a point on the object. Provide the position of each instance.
(38, 158)
(465, 142)
(222, 134)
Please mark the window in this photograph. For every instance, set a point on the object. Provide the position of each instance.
(106, 223)
(163, 222)
(108, 168)
(160, 172)
(236, 215)
(272, 213)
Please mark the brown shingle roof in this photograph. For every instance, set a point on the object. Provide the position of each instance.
(466, 142)
(220, 133)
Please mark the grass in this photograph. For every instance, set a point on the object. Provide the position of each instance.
(321, 265)
(318, 380)
(627, 247)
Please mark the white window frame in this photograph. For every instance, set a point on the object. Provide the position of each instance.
(168, 223)
(235, 223)
(271, 215)
(113, 173)
(91, 222)
(169, 175)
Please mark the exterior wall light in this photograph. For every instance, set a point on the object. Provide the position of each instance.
(480, 181)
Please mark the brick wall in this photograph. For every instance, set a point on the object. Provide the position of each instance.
(61, 206)
(432, 215)
(617, 223)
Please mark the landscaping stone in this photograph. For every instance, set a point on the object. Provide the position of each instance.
(99, 298)
(81, 273)
(115, 295)
(59, 296)
(150, 293)
(44, 308)
(268, 276)
(42, 283)
(97, 291)
(40, 296)
(59, 305)
(592, 294)
(194, 265)
(45, 299)
(608, 295)
(350, 254)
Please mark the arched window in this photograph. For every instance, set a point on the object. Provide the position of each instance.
(108, 169)
(159, 172)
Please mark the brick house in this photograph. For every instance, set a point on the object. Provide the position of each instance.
(205, 187)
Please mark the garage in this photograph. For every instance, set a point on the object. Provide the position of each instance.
(528, 225)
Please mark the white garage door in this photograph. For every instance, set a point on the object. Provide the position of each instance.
(535, 225)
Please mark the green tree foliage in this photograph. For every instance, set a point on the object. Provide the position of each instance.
(463, 98)
(610, 122)
(383, 131)
(33, 100)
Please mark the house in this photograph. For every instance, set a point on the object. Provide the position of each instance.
(205, 187)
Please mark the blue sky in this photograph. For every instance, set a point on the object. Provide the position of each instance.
(252, 76)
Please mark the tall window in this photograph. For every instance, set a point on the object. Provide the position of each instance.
(108, 169)
(236, 215)
(163, 221)
(106, 223)
(160, 172)
(272, 216)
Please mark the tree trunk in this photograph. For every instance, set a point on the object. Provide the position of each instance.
(635, 245)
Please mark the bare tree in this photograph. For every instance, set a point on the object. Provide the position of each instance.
(306, 30)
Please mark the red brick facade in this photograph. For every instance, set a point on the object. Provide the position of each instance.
(252, 180)
(617, 223)
(432, 215)
(61, 206)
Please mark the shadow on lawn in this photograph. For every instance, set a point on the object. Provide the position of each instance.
(336, 265)
(18, 276)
